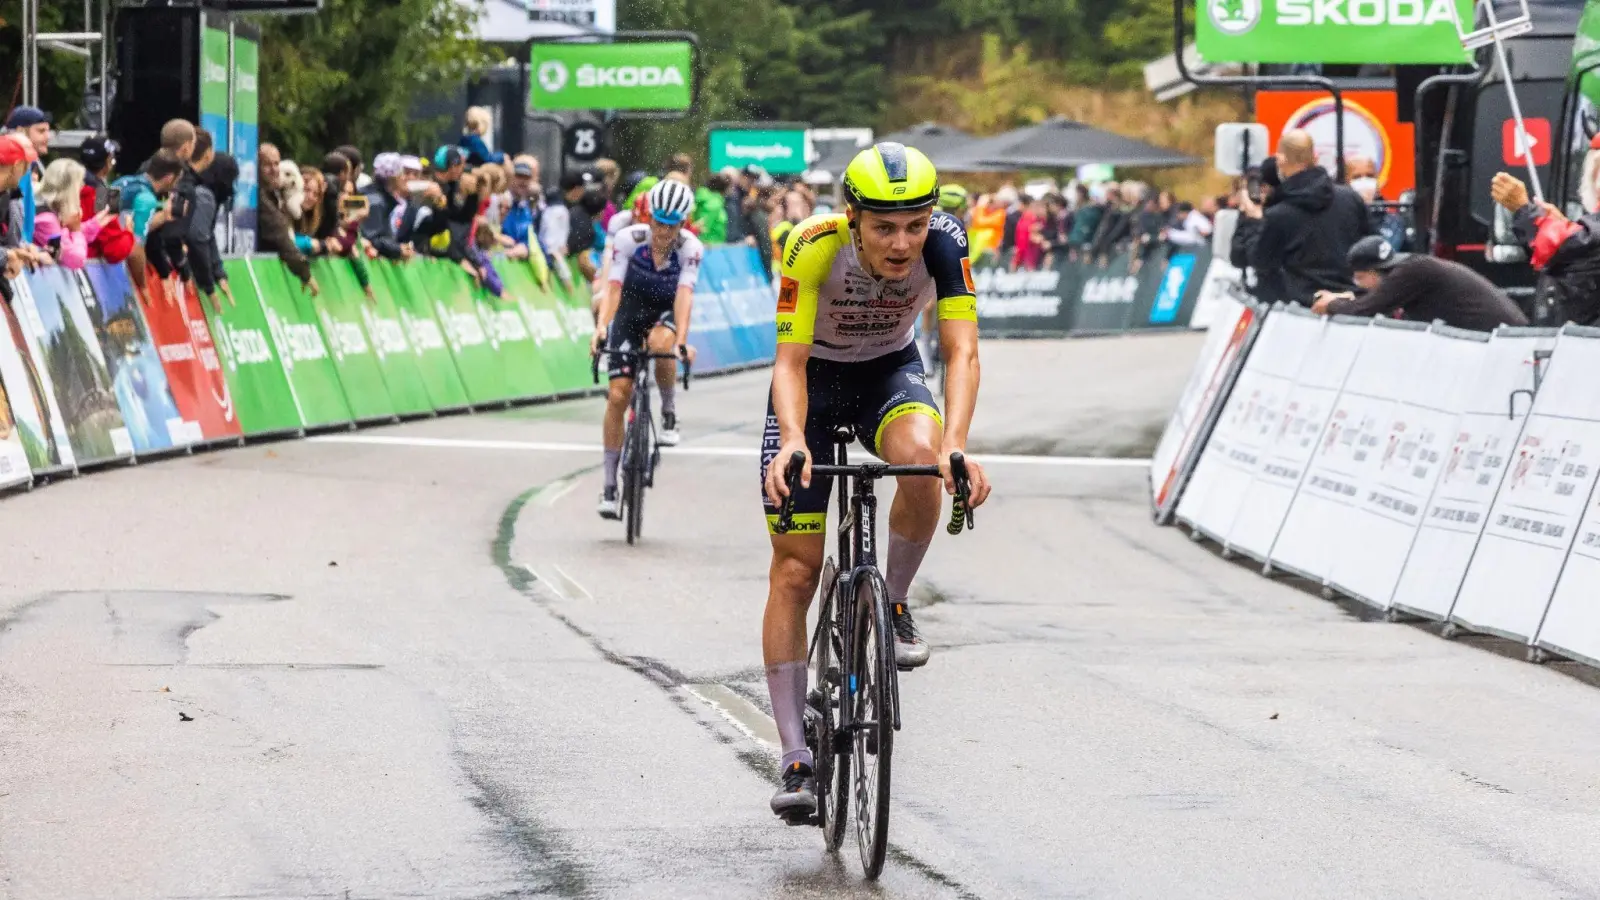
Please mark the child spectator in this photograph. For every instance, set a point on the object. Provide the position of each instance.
(472, 142)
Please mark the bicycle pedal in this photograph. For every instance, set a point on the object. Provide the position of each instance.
(801, 818)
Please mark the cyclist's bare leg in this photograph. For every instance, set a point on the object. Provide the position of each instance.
(796, 565)
(911, 440)
(664, 340)
(619, 393)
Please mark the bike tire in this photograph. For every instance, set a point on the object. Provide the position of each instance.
(638, 461)
(832, 769)
(873, 678)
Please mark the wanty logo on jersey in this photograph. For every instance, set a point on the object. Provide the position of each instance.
(1110, 289)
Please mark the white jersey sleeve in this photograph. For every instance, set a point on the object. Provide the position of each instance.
(624, 243)
(689, 255)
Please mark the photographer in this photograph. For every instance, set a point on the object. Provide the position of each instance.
(1567, 251)
(1425, 288)
(115, 242)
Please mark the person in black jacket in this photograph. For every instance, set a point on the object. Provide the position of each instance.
(1307, 229)
(386, 200)
(212, 196)
(1567, 251)
(1423, 288)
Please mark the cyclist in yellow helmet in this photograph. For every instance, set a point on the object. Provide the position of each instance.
(851, 290)
(953, 200)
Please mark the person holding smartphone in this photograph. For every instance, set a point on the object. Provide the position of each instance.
(114, 243)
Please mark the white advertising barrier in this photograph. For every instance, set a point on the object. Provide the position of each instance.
(1474, 463)
(1571, 625)
(1382, 526)
(1223, 283)
(1266, 502)
(1250, 422)
(1193, 418)
(1534, 519)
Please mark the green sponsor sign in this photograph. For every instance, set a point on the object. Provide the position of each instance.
(292, 320)
(1330, 31)
(250, 361)
(781, 152)
(402, 373)
(339, 314)
(565, 353)
(655, 75)
(246, 68)
(464, 333)
(520, 361)
(435, 365)
(214, 74)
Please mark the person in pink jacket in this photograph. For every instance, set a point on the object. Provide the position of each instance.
(60, 226)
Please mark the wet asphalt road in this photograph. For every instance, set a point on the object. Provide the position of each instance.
(424, 668)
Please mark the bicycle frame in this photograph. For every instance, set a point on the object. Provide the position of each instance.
(858, 555)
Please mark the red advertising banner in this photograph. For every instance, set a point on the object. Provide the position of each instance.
(178, 327)
(1372, 128)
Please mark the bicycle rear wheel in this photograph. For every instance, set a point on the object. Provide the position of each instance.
(871, 677)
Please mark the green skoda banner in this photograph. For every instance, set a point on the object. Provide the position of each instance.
(657, 75)
(401, 371)
(781, 152)
(435, 364)
(291, 316)
(250, 361)
(339, 313)
(565, 353)
(457, 310)
(524, 373)
(1331, 31)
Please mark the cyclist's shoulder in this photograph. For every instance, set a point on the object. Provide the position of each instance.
(689, 245)
(947, 238)
(812, 245)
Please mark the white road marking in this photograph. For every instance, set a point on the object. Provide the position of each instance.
(382, 440)
(556, 491)
(572, 589)
(744, 715)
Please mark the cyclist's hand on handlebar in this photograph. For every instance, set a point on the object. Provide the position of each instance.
(777, 488)
(977, 479)
(598, 341)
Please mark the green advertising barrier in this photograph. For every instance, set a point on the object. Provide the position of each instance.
(520, 359)
(250, 361)
(292, 320)
(339, 313)
(451, 290)
(565, 353)
(399, 360)
(435, 363)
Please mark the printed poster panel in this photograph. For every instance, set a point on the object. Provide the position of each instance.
(1534, 519)
(1572, 624)
(401, 374)
(457, 312)
(521, 366)
(339, 313)
(1394, 500)
(565, 354)
(1023, 302)
(1474, 464)
(307, 364)
(434, 362)
(34, 412)
(1225, 341)
(261, 393)
(194, 372)
(137, 379)
(71, 351)
(1265, 503)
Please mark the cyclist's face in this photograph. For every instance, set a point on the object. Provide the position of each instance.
(662, 236)
(891, 242)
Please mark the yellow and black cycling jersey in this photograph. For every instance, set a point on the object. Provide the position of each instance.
(828, 299)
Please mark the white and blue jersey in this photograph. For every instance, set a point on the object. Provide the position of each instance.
(645, 288)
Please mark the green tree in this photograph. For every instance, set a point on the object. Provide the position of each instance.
(351, 73)
(61, 81)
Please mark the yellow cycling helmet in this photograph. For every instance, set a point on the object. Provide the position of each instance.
(890, 177)
(952, 196)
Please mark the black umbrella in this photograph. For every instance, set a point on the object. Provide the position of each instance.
(1060, 143)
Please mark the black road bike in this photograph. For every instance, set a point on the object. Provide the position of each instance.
(853, 708)
(640, 451)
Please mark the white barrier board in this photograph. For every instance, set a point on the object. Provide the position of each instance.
(1535, 515)
(1474, 464)
(1223, 284)
(1327, 510)
(1180, 440)
(1265, 503)
(1389, 512)
(1251, 421)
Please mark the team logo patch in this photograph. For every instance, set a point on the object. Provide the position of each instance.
(788, 295)
(966, 273)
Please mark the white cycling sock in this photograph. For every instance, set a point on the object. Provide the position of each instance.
(905, 558)
(786, 685)
(669, 403)
(612, 457)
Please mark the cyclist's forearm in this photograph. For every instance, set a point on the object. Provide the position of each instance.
(682, 310)
(960, 389)
(789, 392)
(609, 303)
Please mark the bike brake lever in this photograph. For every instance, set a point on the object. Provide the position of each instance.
(960, 512)
(791, 478)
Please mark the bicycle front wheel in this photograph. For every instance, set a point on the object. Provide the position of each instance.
(638, 439)
(872, 682)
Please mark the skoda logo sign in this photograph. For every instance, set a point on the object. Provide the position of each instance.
(552, 75)
(1234, 17)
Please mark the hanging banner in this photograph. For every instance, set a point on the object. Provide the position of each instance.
(34, 412)
(261, 394)
(521, 367)
(1387, 32)
(54, 311)
(435, 364)
(396, 357)
(623, 76)
(1372, 128)
(1531, 526)
(468, 340)
(137, 379)
(1025, 302)
(565, 354)
(246, 138)
(307, 364)
(778, 151)
(194, 371)
(339, 314)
